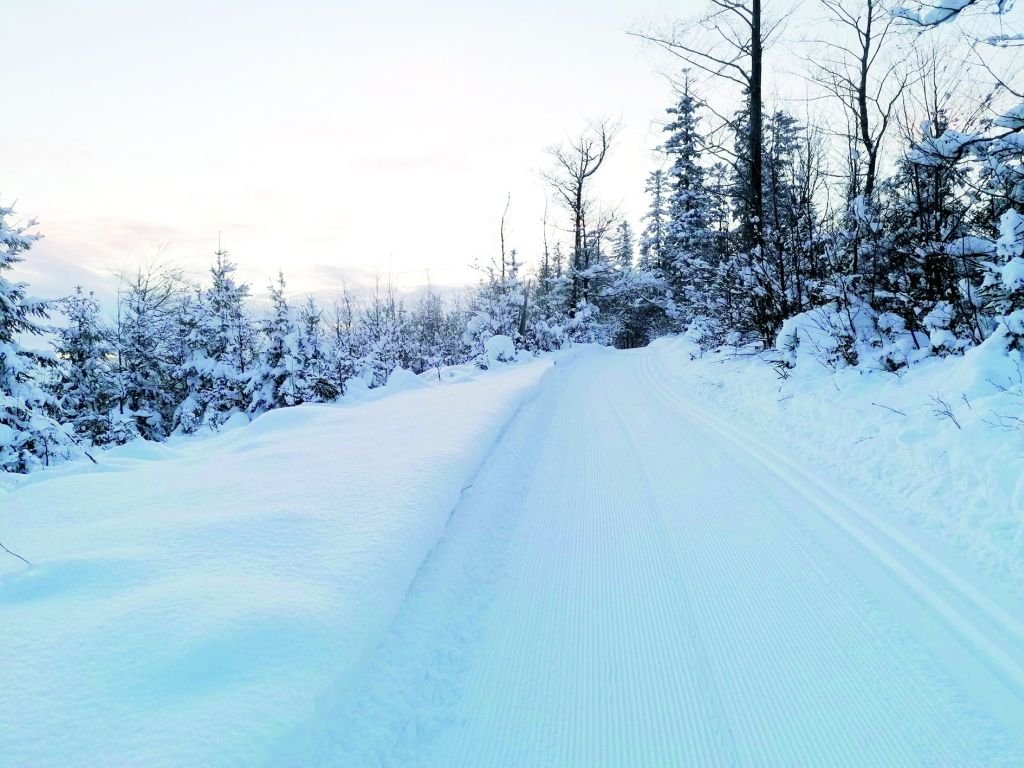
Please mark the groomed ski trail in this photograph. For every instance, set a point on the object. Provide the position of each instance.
(631, 581)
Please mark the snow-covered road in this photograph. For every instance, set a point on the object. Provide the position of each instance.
(632, 581)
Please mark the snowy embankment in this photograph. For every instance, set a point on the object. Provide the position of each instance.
(939, 447)
(187, 608)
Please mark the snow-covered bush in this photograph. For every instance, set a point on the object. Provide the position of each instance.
(499, 349)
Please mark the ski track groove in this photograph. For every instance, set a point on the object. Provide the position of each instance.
(1001, 621)
(628, 585)
(920, 689)
(709, 619)
(757, 679)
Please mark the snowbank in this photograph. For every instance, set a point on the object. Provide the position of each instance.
(939, 446)
(187, 606)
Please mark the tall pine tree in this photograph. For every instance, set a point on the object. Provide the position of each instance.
(30, 436)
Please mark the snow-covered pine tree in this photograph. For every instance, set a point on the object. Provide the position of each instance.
(622, 250)
(448, 347)
(653, 239)
(192, 361)
(277, 381)
(219, 349)
(689, 246)
(927, 210)
(1004, 283)
(30, 436)
(342, 342)
(427, 323)
(383, 336)
(314, 358)
(86, 388)
(549, 303)
(147, 349)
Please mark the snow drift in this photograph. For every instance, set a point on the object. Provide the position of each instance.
(187, 610)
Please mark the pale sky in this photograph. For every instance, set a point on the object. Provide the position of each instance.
(329, 139)
(333, 139)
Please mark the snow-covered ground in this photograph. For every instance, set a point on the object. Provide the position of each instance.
(625, 559)
(958, 475)
(186, 605)
(634, 581)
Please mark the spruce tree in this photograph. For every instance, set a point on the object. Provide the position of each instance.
(219, 347)
(30, 436)
(653, 240)
(86, 388)
(278, 380)
(689, 240)
(314, 359)
(622, 254)
(147, 350)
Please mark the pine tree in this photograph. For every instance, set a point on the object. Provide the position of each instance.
(342, 346)
(219, 346)
(690, 241)
(496, 308)
(549, 311)
(1004, 283)
(278, 380)
(86, 389)
(314, 359)
(383, 336)
(147, 350)
(927, 212)
(622, 254)
(30, 436)
(653, 245)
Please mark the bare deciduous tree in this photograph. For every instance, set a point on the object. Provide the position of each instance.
(575, 165)
(864, 79)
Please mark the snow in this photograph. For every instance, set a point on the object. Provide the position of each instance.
(500, 349)
(188, 603)
(936, 11)
(1012, 118)
(885, 433)
(402, 380)
(1012, 274)
(632, 582)
(936, 150)
(644, 558)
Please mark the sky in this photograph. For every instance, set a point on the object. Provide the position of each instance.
(334, 140)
